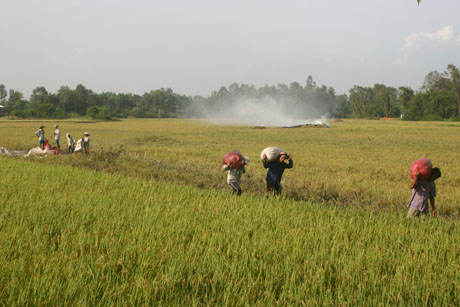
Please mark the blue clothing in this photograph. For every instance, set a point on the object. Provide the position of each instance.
(276, 170)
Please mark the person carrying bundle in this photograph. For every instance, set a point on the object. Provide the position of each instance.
(235, 164)
(276, 165)
(423, 188)
(70, 143)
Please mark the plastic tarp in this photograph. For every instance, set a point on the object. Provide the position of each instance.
(12, 153)
(37, 151)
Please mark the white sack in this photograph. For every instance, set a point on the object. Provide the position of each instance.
(272, 153)
(79, 146)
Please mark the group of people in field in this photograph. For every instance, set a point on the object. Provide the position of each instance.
(275, 172)
(82, 144)
(423, 188)
(422, 197)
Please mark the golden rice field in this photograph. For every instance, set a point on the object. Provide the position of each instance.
(355, 162)
(147, 217)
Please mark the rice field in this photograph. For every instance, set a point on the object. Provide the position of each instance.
(147, 217)
(355, 162)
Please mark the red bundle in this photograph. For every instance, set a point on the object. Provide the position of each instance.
(47, 145)
(234, 159)
(421, 166)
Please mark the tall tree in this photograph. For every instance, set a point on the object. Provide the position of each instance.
(3, 93)
(15, 101)
(82, 95)
(455, 83)
(39, 95)
(360, 101)
(66, 99)
(432, 80)
(405, 94)
(343, 108)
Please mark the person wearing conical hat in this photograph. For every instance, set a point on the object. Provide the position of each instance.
(86, 142)
(41, 137)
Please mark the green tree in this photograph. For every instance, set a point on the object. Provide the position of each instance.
(405, 94)
(454, 76)
(435, 104)
(15, 102)
(39, 95)
(435, 80)
(81, 102)
(439, 103)
(414, 110)
(67, 99)
(360, 101)
(449, 80)
(343, 107)
(96, 112)
(3, 93)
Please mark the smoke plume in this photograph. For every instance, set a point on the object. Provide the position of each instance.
(264, 112)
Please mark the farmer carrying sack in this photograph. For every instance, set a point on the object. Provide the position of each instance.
(272, 153)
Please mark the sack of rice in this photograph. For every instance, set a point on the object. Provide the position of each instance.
(272, 153)
(234, 159)
(79, 146)
(421, 166)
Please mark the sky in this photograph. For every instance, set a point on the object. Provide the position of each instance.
(196, 47)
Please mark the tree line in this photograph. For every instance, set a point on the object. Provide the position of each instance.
(79, 102)
(437, 99)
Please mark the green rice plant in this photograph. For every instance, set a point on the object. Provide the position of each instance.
(72, 236)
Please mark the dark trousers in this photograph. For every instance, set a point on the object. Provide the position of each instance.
(236, 188)
(275, 188)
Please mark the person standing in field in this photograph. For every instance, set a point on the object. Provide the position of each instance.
(57, 136)
(86, 142)
(422, 191)
(41, 137)
(234, 175)
(70, 143)
(275, 171)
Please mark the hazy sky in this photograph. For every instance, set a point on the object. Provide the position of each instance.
(197, 46)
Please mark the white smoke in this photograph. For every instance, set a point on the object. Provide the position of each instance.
(265, 112)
